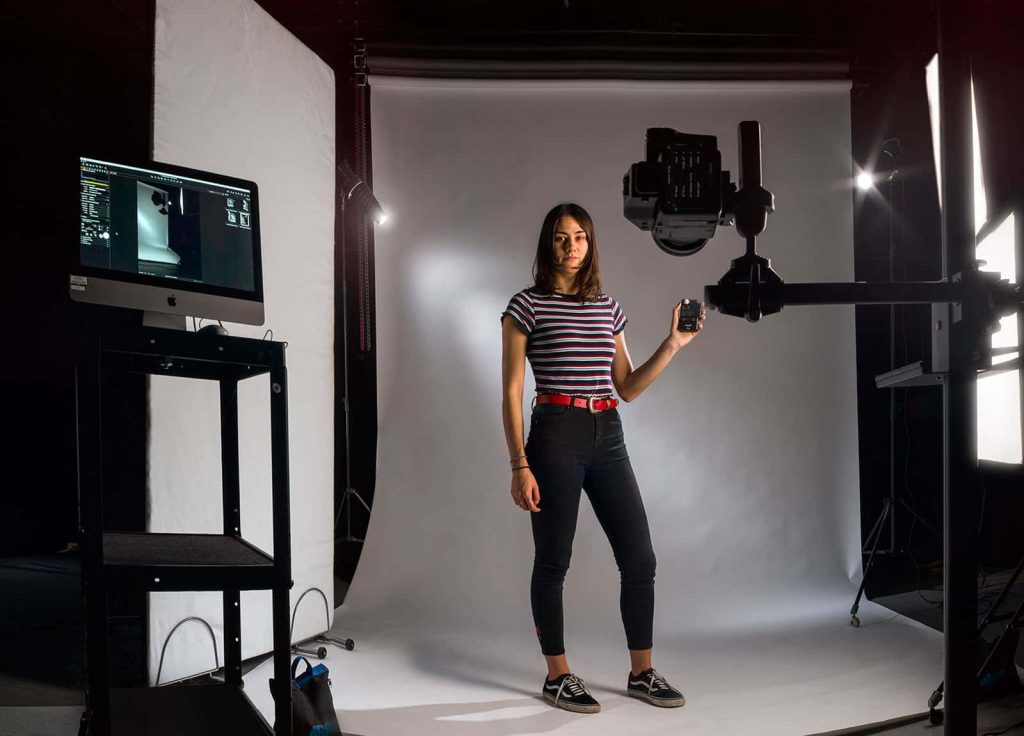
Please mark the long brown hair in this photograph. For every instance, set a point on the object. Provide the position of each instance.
(588, 278)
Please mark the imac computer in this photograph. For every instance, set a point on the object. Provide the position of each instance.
(170, 241)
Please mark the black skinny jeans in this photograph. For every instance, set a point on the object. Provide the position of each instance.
(568, 449)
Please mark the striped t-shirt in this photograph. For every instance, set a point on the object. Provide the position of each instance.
(570, 345)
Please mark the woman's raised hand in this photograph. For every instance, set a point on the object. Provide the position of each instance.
(525, 492)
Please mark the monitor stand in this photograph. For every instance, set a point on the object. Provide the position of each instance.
(166, 321)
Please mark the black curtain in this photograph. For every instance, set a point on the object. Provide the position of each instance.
(77, 79)
(81, 84)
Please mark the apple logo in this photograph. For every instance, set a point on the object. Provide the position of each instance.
(172, 301)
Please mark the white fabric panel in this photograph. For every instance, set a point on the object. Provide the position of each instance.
(998, 411)
(745, 449)
(238, 94)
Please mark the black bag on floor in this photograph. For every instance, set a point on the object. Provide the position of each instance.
(312, 705)
(1000, 677)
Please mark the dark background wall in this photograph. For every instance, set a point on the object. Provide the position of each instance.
(81, 83)
(77, 80)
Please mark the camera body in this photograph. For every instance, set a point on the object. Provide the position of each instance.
(689, 315)
(679, 193)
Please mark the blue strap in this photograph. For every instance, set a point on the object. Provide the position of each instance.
(310, 674)
(295, 666)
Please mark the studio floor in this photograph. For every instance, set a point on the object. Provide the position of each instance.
(810, 678)
(817, 677)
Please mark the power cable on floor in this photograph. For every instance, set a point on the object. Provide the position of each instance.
(167, 639)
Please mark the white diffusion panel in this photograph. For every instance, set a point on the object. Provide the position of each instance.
(238, 94)
(745, 448)
(999, 432)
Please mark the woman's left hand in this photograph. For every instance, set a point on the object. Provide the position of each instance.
(677, 337)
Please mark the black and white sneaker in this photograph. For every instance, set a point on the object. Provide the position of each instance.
(651, 686)
(568, 692)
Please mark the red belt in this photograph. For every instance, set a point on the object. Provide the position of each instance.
(592, 403)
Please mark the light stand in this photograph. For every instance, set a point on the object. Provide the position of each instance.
(893, 149)
(873, 538)
(357, 190)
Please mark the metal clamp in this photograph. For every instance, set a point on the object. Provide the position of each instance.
(359, 62)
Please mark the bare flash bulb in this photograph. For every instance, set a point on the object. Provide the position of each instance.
(357, 192)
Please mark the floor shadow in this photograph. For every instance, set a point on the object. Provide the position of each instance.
(489, 718)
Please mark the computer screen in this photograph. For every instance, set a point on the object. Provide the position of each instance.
(168, 239)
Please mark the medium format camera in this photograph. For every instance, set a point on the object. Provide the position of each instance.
(680, 192)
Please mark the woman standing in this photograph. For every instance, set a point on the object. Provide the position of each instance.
(572, 334)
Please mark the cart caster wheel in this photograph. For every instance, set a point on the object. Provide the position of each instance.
(318, 653)
(854, 621)
(935, 716)
(350, 645)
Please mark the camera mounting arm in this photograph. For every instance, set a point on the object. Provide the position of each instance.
(751, 289)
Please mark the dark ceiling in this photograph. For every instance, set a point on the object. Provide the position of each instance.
(643, 30)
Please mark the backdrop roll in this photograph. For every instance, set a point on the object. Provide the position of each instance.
(746, 447)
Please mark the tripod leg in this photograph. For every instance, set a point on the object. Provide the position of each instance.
(876, 532)
(921, 520)
(1001, 597)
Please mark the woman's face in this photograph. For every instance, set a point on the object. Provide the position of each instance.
(569, 245)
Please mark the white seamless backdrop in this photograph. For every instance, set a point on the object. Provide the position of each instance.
(745, 449)
(236, 93)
